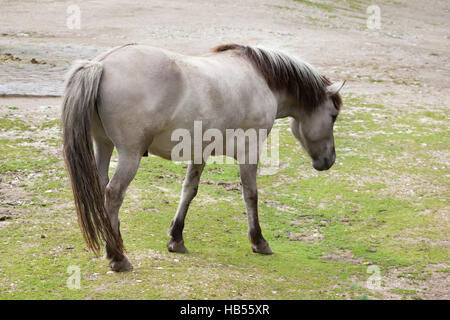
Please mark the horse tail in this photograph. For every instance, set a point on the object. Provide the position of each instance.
(79, 102)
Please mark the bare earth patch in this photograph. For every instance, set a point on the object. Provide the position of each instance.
(345, 256)
(431, 284)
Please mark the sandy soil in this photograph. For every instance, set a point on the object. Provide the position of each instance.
(405, 63)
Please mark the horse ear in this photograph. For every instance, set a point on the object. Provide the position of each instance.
(334, 88)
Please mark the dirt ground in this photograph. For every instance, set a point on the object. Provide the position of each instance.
(404, 63)
(407, 56)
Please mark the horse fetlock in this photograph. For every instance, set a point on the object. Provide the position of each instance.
(116, 255)
(175, 230)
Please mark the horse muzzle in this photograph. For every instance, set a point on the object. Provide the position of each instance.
(324, 162)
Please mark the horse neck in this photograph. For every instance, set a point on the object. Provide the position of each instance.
(286, 105)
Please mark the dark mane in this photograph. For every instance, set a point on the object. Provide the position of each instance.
(284, 72)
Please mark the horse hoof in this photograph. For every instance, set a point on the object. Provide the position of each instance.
(263, 248)
(179, 247)
(121, 265)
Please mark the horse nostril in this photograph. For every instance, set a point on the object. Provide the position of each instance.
(328, 162)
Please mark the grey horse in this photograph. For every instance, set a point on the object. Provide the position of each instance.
(134, 97)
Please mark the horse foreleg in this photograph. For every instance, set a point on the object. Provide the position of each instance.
(250, 195)
(190, 188)
(114, 195)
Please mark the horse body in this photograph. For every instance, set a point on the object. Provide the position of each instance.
(141, 95)
(142, 105)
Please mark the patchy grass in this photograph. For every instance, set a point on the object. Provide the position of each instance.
(338, 14)
(384, 203)
(316, 4)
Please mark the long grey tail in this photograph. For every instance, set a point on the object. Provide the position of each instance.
(79, 102)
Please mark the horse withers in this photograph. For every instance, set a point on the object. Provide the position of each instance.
(134, 97)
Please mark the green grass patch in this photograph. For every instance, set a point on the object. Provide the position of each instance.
(381, 204)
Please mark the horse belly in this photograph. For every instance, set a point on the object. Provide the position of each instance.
(162, 145)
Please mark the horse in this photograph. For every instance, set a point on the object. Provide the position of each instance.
(133, 98)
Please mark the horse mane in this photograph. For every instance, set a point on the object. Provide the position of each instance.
(282, 71)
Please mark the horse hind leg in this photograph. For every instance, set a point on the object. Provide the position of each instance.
(114, 194)
(103, 149)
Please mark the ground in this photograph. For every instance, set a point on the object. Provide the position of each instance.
(381, 213)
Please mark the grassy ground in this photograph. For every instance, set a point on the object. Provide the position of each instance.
(384, 204)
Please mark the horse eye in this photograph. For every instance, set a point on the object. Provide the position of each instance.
(334, 117)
